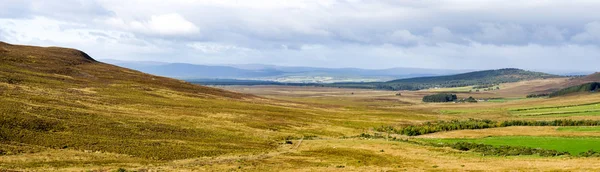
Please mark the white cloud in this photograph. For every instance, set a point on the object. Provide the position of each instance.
(166, 24)
(96, 42)
(334, 33)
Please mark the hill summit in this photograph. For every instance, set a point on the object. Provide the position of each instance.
(64, 67)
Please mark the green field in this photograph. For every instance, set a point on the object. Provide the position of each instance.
(573, 145)
(592, 109)
(580, 129)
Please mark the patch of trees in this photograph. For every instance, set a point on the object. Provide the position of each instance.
(589, 87)
(442, 97)
(430, 127)
(538, 95)
(471, 124)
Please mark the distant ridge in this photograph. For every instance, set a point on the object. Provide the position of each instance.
(284, 74)
(486, 77)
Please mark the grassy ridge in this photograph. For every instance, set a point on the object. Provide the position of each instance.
(487, 77)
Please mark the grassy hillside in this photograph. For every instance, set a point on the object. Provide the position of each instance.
(57, 98)
(59, 108)
(481, 78)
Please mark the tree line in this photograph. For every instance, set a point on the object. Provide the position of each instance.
(442, 97)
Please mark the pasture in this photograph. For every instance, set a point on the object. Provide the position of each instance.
(573, 145)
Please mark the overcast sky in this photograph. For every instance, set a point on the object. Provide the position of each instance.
(451, 34)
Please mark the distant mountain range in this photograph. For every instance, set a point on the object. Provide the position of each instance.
(284, 74)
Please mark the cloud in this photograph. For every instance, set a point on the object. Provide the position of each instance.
(548, 35)
(500, 33)
(404, 37)
(591, 33)
(14, 9)
(331, 33)
(166, 24)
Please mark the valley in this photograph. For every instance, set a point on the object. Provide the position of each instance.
(63, 111)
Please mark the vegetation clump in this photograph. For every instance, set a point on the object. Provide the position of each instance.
(590, 153)
(429, 127)
(538, 95)
(442, 97)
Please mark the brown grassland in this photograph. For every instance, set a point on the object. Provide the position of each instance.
(62, 111)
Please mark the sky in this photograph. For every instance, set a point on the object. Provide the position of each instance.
(446, 34)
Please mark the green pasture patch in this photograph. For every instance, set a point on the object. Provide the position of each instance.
(573, 145)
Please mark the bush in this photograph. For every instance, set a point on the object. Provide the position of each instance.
(590, 153)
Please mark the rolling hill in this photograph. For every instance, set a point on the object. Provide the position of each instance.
(62, 99)
(481, 78)
(62, 110)
(58, 98)
(595, 77)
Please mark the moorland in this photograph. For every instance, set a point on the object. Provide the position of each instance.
(61, 110)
